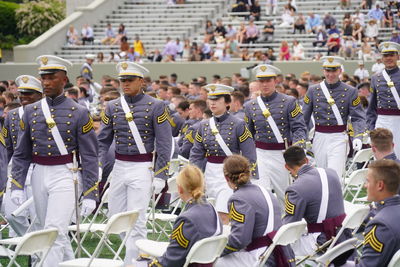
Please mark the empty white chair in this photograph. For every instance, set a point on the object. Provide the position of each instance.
(287, 234)
(354, 184)
(338, 250)
(395, 261)
(362, 156)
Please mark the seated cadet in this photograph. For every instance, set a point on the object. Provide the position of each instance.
(316, 196)
(382, 235)
(382, 144)
(250, 208)
(199, 219)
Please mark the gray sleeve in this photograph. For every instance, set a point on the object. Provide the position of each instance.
(357, 114)
(295, 207)
(188, 141)
(248, 147)
(249, 121)
(3, 167)
(308, 106)
(372, 106)
(7, 136)
(298, 127)
(198, 152)
(106, 135)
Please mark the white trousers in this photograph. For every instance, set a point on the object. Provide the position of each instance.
(240, 258)
(393, 124)
(217, 187)
(272, 172)
(54, 196)
(330, 151)
(130, 189)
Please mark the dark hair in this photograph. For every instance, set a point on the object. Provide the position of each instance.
(83, 91)
(2, 89)
(6, 83)
(12, 105)
(388, 171)
(73, 92)
(382, 139)
(238, 95)
(237, 169)
(184, 105)
(294, 156)
(200, 104)
(208, 113)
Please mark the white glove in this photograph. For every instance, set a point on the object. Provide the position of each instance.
(357, 145)
(88, 206)
(158, 185)
(100, 174)
(17, 197)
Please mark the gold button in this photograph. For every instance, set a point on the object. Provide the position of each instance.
(52, 109)
(35, 153)
(69, 139)
(69, 115)
(68, 131)
(49, 146)
(49, 153)
(73, 108)
(52, 115)
(68, 122)
(34, 145)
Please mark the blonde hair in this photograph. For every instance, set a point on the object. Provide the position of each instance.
(237, 169)
(191, 179)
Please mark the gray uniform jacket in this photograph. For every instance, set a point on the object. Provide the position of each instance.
(3, 167)
(10, 131)
(236, 136)
(35, 139)
(382, 100)
(198, 221)
(176, 124)
(346, 99)
(184, 130)
(188, 140)
(286, 113)
(382, 234)
(151, 117)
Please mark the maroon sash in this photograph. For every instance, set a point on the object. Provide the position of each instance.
(328, 226)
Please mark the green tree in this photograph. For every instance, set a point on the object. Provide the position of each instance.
(34, 18)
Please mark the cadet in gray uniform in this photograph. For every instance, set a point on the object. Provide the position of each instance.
(87, 73)
(3, 167)
(276, 121)
(332, 103)
(382, 144)
(198, 220)
(324, 213)
(30, 90)
(384, 107)
(251, 230)
(382, 234)
(221, 136)
(139, 124)
(50, 130)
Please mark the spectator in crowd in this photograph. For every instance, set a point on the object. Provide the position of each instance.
(240, 6)
(225, 57)
(195, 52)
(287, 17)
(205, 51)
(333, 30)
(358, 17)
(313, 22)
(139, 46)
(121, 33)
(100, 57)
(113, 57)
(358, 32)
(372, 30)
(347, 47)
(186, 50)
(255, 11)
(209, 31)
(395, 37)
(321, 38)
(366, 52)
(220, 29)
(361, 72)
(179, 47)
(251, 32)
(328, 21)
(388, 18)
(109, 35)
(132, 54)
(230, 32)
(220, 47)
(270, 54)
(87, 34)
(245, 54)
(155, 56)
(366, 4)
(376, 14)
(299, 24)
(72, 36)
(267, 34)
(241, 37)
(284, 51)
(298, 51)
(378, 65)
(170, 49)
(344, 4)
(347, 28)
(124, 46)
(271, 7)
(333, 44)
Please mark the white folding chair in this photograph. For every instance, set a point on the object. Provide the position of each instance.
(31, 243)
(336, 251)
(362, 156)
(118, 223)
(206, 250)
(395, 261)
(287, 234)
(354, 184)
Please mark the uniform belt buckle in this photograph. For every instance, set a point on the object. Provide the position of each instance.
(266, 113)
(50, 123)
(331, 101)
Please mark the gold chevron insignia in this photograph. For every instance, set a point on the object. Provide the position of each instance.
(296, 111)
(356, 101)
(104, 118)
(246, 134)
(246, 119)
(2, 140)
(372, 240)
(306, 99)
(4, 132)
(184, 129)
(198, 137)
(235, 215)
(88, 126)
(289, 206)
(177, 234)
(189, 136)
(163, 117)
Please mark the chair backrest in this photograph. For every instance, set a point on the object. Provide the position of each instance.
(395, 261)
(357, 178)
(206, 250)
(37, 241)
(172, 185)
(363, 155)
(336, 251)
(121, 222)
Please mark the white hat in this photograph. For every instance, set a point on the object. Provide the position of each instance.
(127, 68)
(332, 62)
(265, 71)
(360, 62)
(335, 35)
(27, 83)
(215, 90)
(389, 47)
(90, 56)
(50, 64)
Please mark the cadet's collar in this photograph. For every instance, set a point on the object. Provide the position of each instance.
(56, 101)
(391, 156)
(222, 117)
(269, 98)
(391, 71)
(133, 99)
(303, 169)
(191, 202)
(390, 201)
(333, 85)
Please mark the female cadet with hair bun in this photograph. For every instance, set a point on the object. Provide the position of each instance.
(255, 216)
(199, 219)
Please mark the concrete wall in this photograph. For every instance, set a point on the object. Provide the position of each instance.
(51, 41)
(185, 71)
(72, 5)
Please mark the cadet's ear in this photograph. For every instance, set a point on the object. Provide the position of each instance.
(380, 185)
(287, 167)
(180, 190)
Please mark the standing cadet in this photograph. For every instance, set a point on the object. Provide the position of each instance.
(384, 107)
(332, 103)
(87, 73)
(50, 130)
(276, 121)
(30, 90)
(140, 126)
(382, 233)
(322, 207)
(221, 136)
(3, 167)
